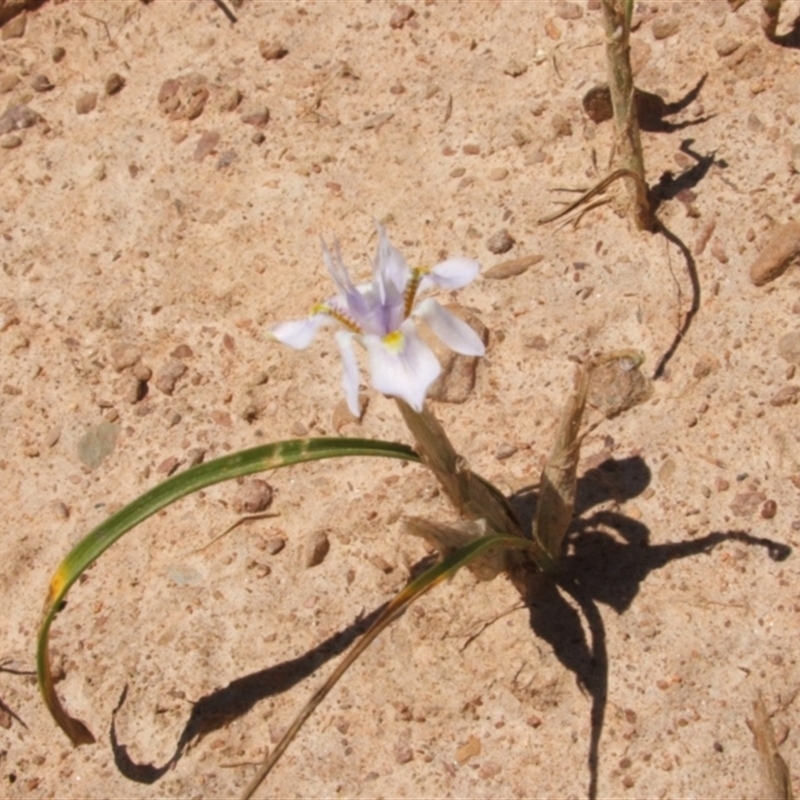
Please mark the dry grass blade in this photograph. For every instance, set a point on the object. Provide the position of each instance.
(596, 190)
(777, 778)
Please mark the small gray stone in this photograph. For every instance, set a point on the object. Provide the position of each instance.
(10, 141)
(15, 28)
(568, 10)
(403, 753)
(402, 14)
(746, 504)
(316, 547)
(8, 82)
(298, 429)
(500, 242)
(41, 83)
(512, 268)
(182, 351)
(515, 68)
(726, 45)
(780, 251)
(754, 123)
(226, 159)
(53, 435)
(97, 443)
(169, 375)
(142, 372)
(86, 103)
(253, 497)
(135, 390)
(535, 341)
(618, 385)
(664, 27)
(16, 118)
(789, 347)
(786, 396)
(114, 83)
(168, 465)
(272, 50)
(206, 144)
(195, 456)
(229, 99)
(506, 450)
(275, 545)
(255, 115)
(124, 355)
(185, 575)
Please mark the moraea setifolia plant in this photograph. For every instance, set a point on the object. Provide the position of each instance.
(381, 315)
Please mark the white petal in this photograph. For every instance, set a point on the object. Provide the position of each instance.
(390, 270)
(351, 297)
(299, 333)
(454, 332)
(350, 376)
(451, 274)
(404, 368)
(336, 267)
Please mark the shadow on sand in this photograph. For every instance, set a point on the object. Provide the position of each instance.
(598, 568)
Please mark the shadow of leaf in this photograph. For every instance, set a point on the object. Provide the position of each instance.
(601, 568)
(598, 568)
(223, 706)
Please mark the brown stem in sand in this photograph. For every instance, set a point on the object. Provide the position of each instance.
(617, 17)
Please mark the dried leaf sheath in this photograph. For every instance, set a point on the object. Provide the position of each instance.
(558, 484)
(623, 386)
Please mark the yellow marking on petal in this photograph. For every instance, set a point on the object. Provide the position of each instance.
(394, 341)
(410, 292)
(341, 318)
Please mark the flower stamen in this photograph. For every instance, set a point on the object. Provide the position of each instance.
(410, 292)
(339, 316)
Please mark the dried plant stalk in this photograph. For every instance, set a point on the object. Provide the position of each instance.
(617, 18)
(771, 10)
(471, 495)
(558, 484)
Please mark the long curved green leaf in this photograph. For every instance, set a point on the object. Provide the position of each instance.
(414, 590)
(89, 549)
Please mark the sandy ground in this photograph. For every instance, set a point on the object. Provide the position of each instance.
(130, 228)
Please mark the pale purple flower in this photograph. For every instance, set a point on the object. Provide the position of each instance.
(382, 316)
